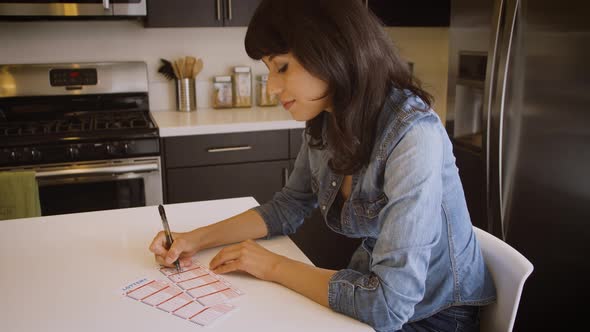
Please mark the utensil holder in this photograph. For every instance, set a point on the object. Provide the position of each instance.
(186, 97)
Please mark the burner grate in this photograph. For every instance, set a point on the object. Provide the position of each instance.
(87, 123)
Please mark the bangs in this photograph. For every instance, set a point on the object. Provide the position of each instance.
(266, 33)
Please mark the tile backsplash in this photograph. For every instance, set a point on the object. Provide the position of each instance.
(220, 49)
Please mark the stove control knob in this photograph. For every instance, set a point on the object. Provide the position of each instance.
(35, 155)
(126, 148)
(110, 149)
(73, 152)
(14, 155)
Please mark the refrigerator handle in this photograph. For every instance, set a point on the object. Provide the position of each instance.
(505, 12)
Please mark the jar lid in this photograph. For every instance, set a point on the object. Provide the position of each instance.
(241, 69)
(222, 79)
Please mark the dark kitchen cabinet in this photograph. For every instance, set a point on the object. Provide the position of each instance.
(259, 179)
(416, 13)
(199, 13)
(205, 167)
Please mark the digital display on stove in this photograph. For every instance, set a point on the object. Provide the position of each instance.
(68, 77)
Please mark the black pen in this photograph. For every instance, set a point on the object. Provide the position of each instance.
(169, 239)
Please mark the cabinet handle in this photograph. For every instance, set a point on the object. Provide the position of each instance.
(218, 2)
(231, 148)
(229, 11)
(285, 176)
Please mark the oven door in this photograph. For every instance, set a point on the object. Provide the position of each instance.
(93, 186)
(72, 8)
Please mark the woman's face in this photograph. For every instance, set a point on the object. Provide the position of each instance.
(301, 93)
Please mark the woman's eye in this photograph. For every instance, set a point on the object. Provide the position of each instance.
(283, 68)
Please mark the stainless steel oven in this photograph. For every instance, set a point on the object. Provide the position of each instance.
(85, 130)
(98, 185)
(72, 8)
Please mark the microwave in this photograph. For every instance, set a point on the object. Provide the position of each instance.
(71, 8)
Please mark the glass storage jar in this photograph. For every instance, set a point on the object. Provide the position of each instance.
(222, 92)
(263, 97)
(242, 87)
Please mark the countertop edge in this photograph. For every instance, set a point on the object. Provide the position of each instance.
(171, 124)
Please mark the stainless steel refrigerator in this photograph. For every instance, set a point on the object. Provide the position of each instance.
(519, 119)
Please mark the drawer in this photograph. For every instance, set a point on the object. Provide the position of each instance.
(215, 149)
(295, 141)
(260, 180)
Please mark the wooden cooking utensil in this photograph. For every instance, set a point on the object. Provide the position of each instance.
(189, 63)
(198, 66)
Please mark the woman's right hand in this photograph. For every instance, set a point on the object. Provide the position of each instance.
(185, 245)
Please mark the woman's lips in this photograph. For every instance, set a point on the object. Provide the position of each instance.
(288, 104)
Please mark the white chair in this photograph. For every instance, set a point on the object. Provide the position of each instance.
(509, 269)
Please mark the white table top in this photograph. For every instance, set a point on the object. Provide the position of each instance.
(220, 121)
(64, 273)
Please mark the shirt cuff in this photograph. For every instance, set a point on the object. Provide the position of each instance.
(271, 228)
(341, 291)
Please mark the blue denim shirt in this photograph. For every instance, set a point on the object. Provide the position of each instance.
(419, 253)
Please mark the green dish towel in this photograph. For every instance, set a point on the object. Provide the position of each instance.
(19, 195)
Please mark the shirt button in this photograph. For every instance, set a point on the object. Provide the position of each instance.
(333, 183)
(323, 207)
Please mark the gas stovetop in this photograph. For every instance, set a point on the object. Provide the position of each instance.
(78, 127)
(77, 123)
(63, 113)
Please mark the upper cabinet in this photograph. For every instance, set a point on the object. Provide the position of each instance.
(415, 13)
(199, 13)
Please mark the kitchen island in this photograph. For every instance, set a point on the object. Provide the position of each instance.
(65, 273)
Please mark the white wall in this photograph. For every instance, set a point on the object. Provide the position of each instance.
(428, 48)
(220, 49)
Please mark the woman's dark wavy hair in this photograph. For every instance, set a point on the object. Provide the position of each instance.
(342, 43)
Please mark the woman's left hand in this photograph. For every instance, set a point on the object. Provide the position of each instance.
(247, 256)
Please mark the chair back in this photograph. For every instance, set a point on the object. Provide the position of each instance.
(509, 269)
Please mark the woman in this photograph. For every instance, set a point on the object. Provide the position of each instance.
(375, 159)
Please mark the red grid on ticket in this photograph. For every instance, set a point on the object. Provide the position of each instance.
(218, 297)
(189, 310)
(209, 315)
(187, 274)
(147, 289)
(175, 302)
(162, 295)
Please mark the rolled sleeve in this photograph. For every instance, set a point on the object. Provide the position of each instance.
(411, 226)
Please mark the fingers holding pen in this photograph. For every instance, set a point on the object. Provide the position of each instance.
(184, 261)
(182, 249)
(158, 245)
(178, 247)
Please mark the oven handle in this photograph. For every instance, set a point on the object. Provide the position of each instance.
(99, 170)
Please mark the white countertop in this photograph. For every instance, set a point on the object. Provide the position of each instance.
(219, 121)
(64, 273)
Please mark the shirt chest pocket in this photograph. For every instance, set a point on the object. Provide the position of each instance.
(366, 212)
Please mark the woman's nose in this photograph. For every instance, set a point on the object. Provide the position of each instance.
(274, 85)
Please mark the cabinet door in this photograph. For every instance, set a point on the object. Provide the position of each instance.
(260, 180)
(239, 12)
(184, 13)
(412, 13)
(295, 141)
